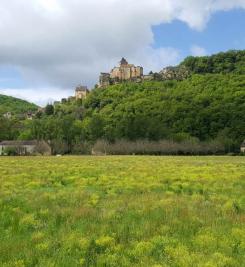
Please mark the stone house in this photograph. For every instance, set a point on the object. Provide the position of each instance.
(7, 115)
(81, 92)
(30, 115)
(242, 149)
(104, 80)
(24, 148)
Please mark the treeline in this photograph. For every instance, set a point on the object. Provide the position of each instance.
(161, 147)
(205, 107)
(229, 62)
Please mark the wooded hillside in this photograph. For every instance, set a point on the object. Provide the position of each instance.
(208, 107)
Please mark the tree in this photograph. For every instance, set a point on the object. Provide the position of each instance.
(49, 110)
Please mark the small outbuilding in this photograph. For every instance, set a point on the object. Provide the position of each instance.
(243, 147)
(24, 148)
(81, 92)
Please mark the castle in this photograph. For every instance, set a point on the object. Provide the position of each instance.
(125, 72)
(128, 72)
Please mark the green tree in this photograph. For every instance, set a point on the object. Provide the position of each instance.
(49, 110)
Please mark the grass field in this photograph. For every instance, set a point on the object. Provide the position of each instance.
(122, 211)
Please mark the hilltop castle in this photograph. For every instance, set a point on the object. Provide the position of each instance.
(129, 72)
(125, 72)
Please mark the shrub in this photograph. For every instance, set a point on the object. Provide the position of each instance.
(10, 151)
(163, 147)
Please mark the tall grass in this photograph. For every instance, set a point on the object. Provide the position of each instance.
(122, 211)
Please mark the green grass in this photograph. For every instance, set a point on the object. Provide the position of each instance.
(122, 211)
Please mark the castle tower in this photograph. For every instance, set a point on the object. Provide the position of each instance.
(123, 62)
(81, 92)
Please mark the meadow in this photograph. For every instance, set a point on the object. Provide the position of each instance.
(122, 211)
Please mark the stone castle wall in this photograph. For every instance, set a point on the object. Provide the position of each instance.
(125, 73)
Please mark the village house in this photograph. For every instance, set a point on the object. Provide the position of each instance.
(81, 92)
(242, 149)
(23, 148)
(30, 115)
(7, 115)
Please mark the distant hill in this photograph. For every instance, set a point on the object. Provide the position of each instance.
(15, 105)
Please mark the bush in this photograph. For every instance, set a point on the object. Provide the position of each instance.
(10, 151)
(163, 147)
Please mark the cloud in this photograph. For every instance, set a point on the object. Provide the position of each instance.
(196, 13)
(198, 51)
(59, 43)
(40, 96)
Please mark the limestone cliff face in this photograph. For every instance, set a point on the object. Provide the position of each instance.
(174, 73)
(178, 73)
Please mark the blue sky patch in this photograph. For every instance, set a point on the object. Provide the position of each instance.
(224, 31)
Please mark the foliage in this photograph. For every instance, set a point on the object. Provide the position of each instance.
(232, 61)
(162, 147)
(10, 151)
(49, 110)
(207, 107)
(14, 105)
(9, 129)
(122, 211)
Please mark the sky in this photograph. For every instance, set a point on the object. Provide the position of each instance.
(47, 47)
